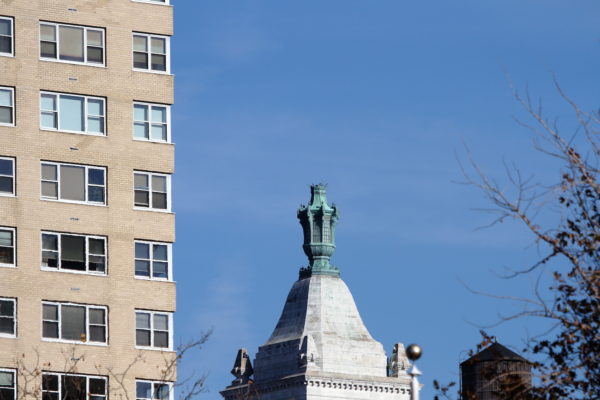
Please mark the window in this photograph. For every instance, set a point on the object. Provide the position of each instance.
(151, 52)
(152, 190)
(6, 36)
(72, 113)
(74, 322)
(7, 247)
(7, 106)
(8, 318)
(7, 176)
(73, 387)
(152, 260)
(8, 384)
(71, 43)
(152, 329)
(151, 122)
(152, 390)
(76, 253)
(71, 182)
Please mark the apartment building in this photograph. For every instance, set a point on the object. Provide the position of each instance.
(86, 225)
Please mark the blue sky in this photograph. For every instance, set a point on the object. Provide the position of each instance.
(375, 98)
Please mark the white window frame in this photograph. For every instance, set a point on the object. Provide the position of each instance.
(12, 36)
(153, 383)
(85, 46)
(14, 374)
(150, 106)
(152, 314)
(87, 384)
(14, 301)
(161, 3)
(151, 260)
(150, 175)
(87, 253)
(13, 106)
(149, 37)
(86, 112)
(86, 184)
(13, 176)
(14, 247)
(87, 323)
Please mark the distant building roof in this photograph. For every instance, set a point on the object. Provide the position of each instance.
(494, 352)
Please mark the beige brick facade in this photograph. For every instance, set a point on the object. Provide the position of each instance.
(118, 221)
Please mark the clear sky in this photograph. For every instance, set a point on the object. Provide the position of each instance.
(373, 97)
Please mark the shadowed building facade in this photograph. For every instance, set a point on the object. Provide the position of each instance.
(86, 227)
(320, 348)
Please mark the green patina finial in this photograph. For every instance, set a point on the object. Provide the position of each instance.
(318, 221)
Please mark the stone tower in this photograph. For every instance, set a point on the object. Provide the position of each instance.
(320, 348)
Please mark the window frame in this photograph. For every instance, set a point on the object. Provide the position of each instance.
(86, 183)
(150, 191)
(160, 3)
(60, 375)
(87, 307)
(149, 37)
(13, 106)
(86, 99)
(85, 28)
(87, 253)
(150, 106)
(153, 383)
(152, 313)
(14, 177)
(14, 247)
(15, 377)
(14, 317)
(151, 260)
(12, 36)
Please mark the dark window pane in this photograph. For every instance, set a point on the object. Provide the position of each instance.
(142, 250)
(5, 45)
(159, 200)
(142, 198)
(143, 390)
(97, 386)
(48, 49)
(49, 241)
(96, 246)
(49, 172)
(142, 268)
(49, 396)
(159, 62)
(6, 255)
(50, 311)
(160, 252)
(96, 176)
(6, 115)
(142, 338)
(97, 263)
(50, 330)
(160, 270)
(6, 184)
(7, 325)
(7, 379)
(96, 194)
(73, 322)
(73, 387)
(50, 259)
(49, 382)
(95, 54)
(161, 391)
(161, 339)
(140, 60)
(7, 394)
(6, 167)
(7, 308)
(73, 252)
(97, 334)
(97, 316)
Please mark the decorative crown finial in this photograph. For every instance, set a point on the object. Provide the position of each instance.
(318, 220)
